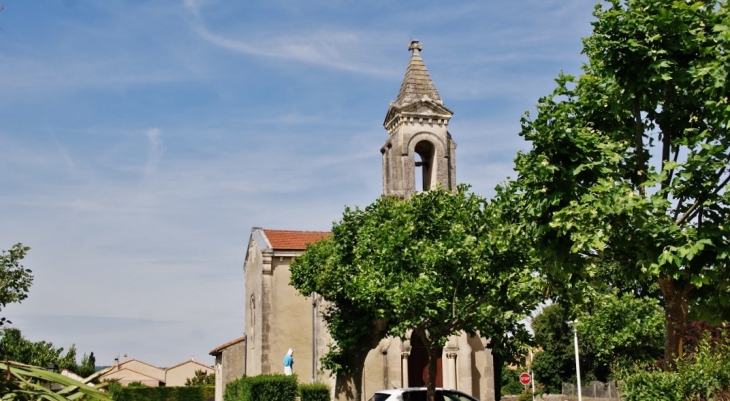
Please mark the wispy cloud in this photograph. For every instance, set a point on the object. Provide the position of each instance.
(154, 150)
(64, 153)
(324, 48)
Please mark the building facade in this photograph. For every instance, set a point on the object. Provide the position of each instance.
(418, 155)
(229, 363)
(277, 316)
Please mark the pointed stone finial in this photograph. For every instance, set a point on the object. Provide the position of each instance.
(415, 46)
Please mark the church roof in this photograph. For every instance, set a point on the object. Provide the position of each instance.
(293, 240)
(417, 84)
(217, 350)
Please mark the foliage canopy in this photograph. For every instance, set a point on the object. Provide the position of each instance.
(201, 378)
(15, 280)
(431, 266)
(626, 179)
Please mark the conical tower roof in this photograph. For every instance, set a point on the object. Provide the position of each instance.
(417, 84)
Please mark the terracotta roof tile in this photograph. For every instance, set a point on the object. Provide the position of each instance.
(220, 348)
(293, 240)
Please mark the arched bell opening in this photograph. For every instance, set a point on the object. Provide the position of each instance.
(424, 156)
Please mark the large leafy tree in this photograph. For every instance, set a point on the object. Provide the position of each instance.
(627, 175)
(430, 266)
(15, 280)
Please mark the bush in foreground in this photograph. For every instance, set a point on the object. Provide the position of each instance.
(314, 392)
(262, 388)
(702, 376)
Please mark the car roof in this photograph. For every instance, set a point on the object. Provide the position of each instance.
(394, 391)
(404, 390)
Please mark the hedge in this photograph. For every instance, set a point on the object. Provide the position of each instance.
(234, 390)
(188, 393)
(272, 387)
(314, 392)
(702, 375)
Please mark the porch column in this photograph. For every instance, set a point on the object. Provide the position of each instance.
(451, 358)
(404, 368)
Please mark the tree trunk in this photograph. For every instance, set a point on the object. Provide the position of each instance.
(676, 305)
(498, 362)
(432, 372)
(432, 350)
(349, 386)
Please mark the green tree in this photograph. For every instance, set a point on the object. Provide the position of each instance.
(87, 367)
(628, 166)
(324, 269)
(510, 381)
(201, 378)
(15, 347)
(614, 331)
(435, 264)
(620, 331)
(14, 279)
(555, 364)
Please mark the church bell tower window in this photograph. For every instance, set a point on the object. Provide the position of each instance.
(425, 167)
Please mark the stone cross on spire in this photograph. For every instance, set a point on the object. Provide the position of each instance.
(415, 46)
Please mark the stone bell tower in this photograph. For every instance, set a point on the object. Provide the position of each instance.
(419, 153)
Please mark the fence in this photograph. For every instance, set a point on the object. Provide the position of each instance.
(593, 389)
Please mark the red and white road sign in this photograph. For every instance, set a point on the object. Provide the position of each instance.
(525, 378)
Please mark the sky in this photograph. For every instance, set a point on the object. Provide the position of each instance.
(140, 141)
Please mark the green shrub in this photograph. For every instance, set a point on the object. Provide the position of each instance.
(190, 393)
(142, 393)
(511, 381)
(114, 388)
(703, 376)
(273, 387)
(234, 390)
(314, 392)
(208, 392)
(525, 395)
(651, 385)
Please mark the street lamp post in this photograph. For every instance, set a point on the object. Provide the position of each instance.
(532, 376)
(577, 362)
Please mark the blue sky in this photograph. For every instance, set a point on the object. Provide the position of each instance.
(141, 141)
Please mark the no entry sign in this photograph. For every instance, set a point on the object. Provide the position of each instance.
(525, 378)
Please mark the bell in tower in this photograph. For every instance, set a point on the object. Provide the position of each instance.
(419, 152)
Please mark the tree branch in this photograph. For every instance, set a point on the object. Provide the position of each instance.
(639, 143)
(667, 134)
(691, 212)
